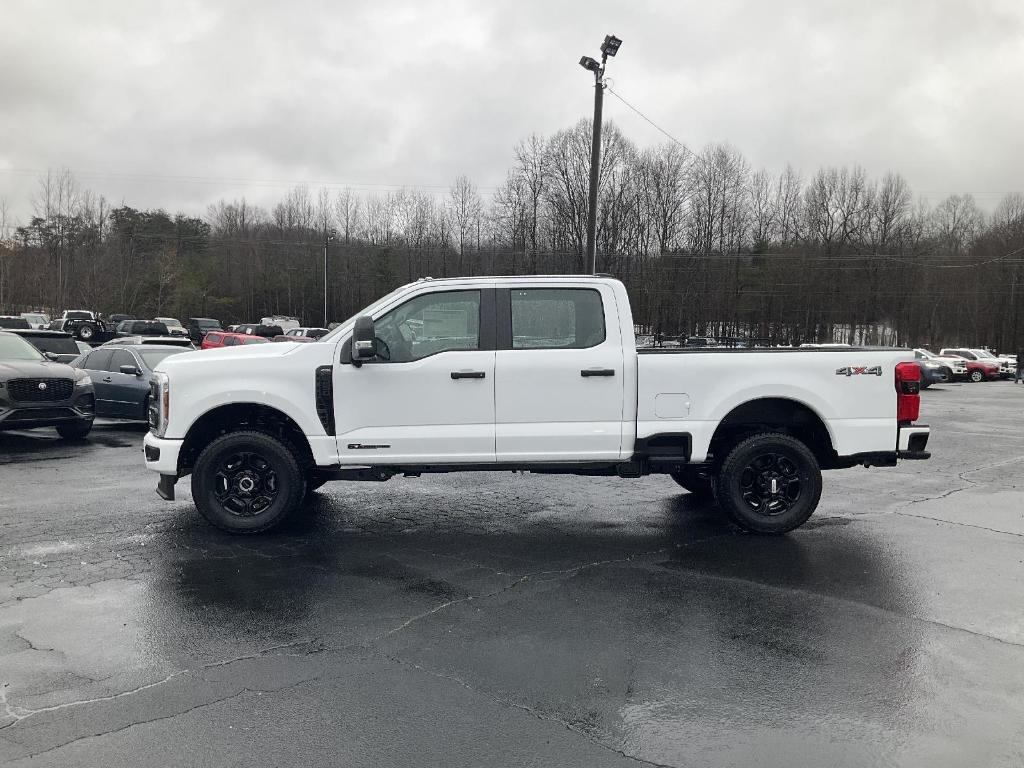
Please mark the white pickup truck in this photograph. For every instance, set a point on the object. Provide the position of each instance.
(538, 374)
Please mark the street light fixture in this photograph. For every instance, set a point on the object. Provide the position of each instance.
(609, 47)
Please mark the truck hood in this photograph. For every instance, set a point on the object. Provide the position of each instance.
(17, 369)
(228, 354)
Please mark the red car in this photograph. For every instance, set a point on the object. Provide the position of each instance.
(979, 370)
(218, 339)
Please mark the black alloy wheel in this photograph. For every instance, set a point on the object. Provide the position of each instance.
(247, 482)
(769, 483)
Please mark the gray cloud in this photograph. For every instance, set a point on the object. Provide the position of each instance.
(132, 96)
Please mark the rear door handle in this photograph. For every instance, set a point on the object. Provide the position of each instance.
(587, 372)
(468, 374)
(107, 379)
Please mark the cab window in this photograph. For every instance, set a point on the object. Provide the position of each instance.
(557, 318)
(427, 325)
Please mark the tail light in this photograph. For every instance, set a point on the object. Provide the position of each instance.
(908, 392)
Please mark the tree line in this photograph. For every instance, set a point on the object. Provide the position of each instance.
(706, 245)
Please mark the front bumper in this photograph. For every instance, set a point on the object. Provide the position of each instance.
(19, 415)
(162, 456)
(912, 441)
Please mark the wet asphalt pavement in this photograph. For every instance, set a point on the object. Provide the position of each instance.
(518, 620)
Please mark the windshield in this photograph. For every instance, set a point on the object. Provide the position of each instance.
(16, 348)
(60, 345)
(153, 356)
(170, 322)
(203, 323)
(365, 311)
(984, 354)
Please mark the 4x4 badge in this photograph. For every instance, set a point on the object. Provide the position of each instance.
(875, 370)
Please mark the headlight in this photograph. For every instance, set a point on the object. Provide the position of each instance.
(159, 403)
(84, 381)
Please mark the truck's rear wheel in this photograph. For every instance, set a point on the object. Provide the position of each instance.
(85, 332)
(697, 480)
(247, 482)
(769, 483)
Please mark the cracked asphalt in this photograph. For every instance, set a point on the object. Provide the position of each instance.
(518, 620)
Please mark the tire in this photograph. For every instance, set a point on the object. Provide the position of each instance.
(85, 332)
(699, 481)
(248, 482)
(75, 430)
(746, 497)
(977, 376)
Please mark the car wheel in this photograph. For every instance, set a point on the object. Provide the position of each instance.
(75, 430)
(769, 483)
(247, 482)
(85, 332)
(697, 480)
(977, 376)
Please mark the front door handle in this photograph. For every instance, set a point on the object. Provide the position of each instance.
(587, 372)
(107, 380)
(468, 374)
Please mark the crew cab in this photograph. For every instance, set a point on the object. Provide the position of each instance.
(536, 374)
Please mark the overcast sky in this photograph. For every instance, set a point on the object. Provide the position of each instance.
(178, 104)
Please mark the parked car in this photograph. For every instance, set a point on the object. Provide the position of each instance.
(174, 326)
(8, 322)
(198, 327)
(121, 376)
(986, 366)
(55, 345)
(283, 321)
(218, 339)
(142, 328)
(536, 374)
(286, 337)
(37, 320)
(933, 373)
(37, 392)
(957, 365)
(83, 325)
(173, 341)
(117, 319)
(259, 329)
(306, 333)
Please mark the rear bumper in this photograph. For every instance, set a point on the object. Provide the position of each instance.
(912, 441)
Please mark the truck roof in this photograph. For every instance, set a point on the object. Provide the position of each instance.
(601, 278)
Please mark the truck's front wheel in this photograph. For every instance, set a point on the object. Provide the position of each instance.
(769, 483)
(247, 482)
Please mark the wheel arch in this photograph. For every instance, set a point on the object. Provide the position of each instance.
(235, 417)
(776, 414)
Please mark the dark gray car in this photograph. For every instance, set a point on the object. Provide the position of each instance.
(121, 375)
(37, 392)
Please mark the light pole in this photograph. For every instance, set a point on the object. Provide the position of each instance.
(609, 47)
(327, 239)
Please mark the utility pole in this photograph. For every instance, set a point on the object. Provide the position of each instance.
(327, 239)
(609, 48)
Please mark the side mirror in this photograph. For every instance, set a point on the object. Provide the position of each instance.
(50, 356)
(130, 370)
(364, 339)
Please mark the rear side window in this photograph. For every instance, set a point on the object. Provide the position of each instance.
(214, 338)
(557, 318)
(231, 341)
(97, 361)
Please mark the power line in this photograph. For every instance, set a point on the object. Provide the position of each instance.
(645, 117)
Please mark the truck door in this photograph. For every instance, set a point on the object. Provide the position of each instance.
(558, 375)
(428, 396)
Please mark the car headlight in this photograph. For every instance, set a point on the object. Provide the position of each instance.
(159, 403)
(83, 381)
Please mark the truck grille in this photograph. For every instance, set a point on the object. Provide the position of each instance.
(40, 390)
